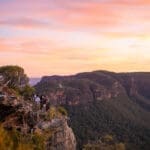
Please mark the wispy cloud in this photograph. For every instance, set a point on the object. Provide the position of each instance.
(73, 34)
(24, 22)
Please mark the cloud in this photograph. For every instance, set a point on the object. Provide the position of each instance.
(80, 15)
(23, 23)
(78, 35)
(28, 47)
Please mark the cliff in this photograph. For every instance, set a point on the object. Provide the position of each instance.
(103, 102)
(81, 88)
(23, 117)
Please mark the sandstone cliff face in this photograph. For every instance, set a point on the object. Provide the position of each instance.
(62, 138)
(80, 89)
(24, 117)
(88, 87)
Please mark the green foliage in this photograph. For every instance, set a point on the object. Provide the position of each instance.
(53, 112)
(38, 142)
(14, 76)
(16, 79)
(27, 91)
(5, 140)
(13, 140)
(120, 117)
(126, 116)
(62, 110)
(56, 112)
(108, 143)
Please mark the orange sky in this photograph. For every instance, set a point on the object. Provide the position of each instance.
(49, 37)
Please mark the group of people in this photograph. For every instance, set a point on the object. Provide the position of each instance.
(42, 102)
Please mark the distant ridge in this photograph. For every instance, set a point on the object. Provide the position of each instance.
(103, 102)
(34, 81)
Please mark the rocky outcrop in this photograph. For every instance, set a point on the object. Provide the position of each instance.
(62, 137)
(24, 117)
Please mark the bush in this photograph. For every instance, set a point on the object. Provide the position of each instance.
(27, 91)
(56, 112)
(53, 113)
(5, 141)
(62, 110)
(107, 139)
(13, 140)
(106, 143)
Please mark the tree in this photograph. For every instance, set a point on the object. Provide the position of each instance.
(13, 76)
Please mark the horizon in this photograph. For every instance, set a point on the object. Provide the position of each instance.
(67, 75)
(53, 37)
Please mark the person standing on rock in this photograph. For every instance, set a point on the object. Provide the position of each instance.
(37, 101)
(44, 103)
(41, 102)
(34, 97)
(47, 103)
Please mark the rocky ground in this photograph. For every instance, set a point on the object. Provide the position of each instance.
(23, 116)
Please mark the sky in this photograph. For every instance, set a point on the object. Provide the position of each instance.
(48, 37)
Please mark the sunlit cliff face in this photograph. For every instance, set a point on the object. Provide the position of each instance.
(67, 36)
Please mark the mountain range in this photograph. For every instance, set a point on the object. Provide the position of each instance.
(101, 103)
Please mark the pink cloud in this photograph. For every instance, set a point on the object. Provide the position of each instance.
(73, 31)
(74, 14)
(23, 22)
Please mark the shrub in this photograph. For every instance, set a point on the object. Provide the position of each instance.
(13, 140)
(120, 146)
(27, 91)
(62, 110)
(108, 139)
(5, 141)
(52, 112)
(56, 112)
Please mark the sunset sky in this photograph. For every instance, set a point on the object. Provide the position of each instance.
(48, 37)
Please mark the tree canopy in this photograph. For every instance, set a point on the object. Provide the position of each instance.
(13, 76)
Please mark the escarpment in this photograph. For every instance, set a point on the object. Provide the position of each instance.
(103, 102)
(24, 117)
(81, 88)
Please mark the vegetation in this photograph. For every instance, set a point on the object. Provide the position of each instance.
(62, 111)
(13, 140)
(14, 82)
(125, 116)
(27, 91)
(56, 112)
(16, 79)
(13, 76)
(97, 119)
(105, 143)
